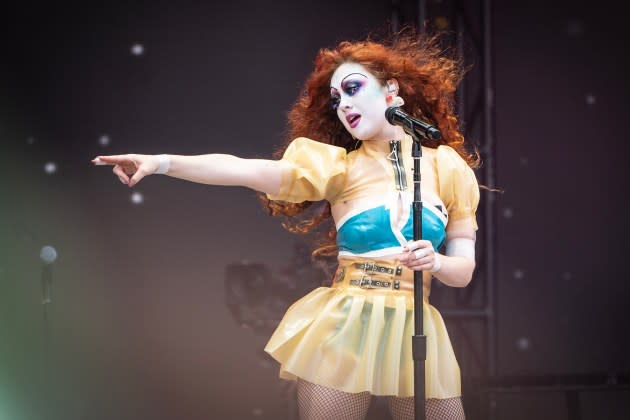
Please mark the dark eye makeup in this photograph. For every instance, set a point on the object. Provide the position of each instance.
(334, 102)
(334, 99)
(351, 87)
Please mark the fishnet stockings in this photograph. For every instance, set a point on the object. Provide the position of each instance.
(435, 409)
(316, 402)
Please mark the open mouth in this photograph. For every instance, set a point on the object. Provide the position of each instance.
(353, 119)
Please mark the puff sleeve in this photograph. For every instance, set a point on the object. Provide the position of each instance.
(458, 186)
(313, 171)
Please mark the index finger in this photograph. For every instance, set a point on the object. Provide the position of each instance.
(110, 160)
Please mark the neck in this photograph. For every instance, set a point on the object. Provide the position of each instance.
(382, 144)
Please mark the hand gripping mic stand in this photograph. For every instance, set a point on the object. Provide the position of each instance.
(419, 340)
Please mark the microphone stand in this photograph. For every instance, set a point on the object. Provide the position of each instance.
(416, 129)
(47, 370)
(419, 340)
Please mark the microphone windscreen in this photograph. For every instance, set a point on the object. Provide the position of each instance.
(390, 113)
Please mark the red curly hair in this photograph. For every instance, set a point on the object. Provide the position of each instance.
(427, 79)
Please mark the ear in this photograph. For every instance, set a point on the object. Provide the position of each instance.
(392, 87)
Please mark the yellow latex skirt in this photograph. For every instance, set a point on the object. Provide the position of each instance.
(354, 340)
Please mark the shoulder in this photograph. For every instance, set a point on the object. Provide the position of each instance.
(316, 146)
(312, 171)
(448, 158)
(457, 182)
(306, 153)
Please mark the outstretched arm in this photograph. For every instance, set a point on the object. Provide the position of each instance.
(213, 169)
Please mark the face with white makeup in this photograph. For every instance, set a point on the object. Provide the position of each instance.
(360, 102)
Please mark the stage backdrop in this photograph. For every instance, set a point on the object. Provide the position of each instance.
(141, 324)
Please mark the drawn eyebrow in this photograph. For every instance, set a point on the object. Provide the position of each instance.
(360, 74)
(351, 74)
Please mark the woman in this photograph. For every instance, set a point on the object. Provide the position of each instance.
(352, 340)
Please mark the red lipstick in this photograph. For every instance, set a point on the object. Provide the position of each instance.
(353, 119)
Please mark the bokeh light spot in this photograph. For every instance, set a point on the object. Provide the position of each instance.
(137, 198)
(523, 344)
(104, 140)
(50, 168)
(137, 49)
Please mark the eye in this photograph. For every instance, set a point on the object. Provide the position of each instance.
(352, 87)
(352, 90)
(334, 101)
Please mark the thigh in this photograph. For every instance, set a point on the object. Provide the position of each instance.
(317, 402)
(447, 409)
(435, 409)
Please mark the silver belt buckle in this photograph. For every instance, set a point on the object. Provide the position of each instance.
(369, 283)
(366, 283)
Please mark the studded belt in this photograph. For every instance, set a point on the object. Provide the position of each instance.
(368, 274)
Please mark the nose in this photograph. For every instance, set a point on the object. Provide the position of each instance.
(345, 102)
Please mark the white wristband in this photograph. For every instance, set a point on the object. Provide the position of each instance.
(164, 162)
(437, 264)
(461, 247)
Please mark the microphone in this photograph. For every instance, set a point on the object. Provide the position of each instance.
(48, 255)
(413, 126)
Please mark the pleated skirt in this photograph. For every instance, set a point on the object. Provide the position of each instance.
(357, 340)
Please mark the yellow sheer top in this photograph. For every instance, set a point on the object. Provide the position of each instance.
(317, 171)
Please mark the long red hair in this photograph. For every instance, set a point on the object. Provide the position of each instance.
(427, 78)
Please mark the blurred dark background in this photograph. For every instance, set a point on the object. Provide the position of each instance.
(152, 313)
